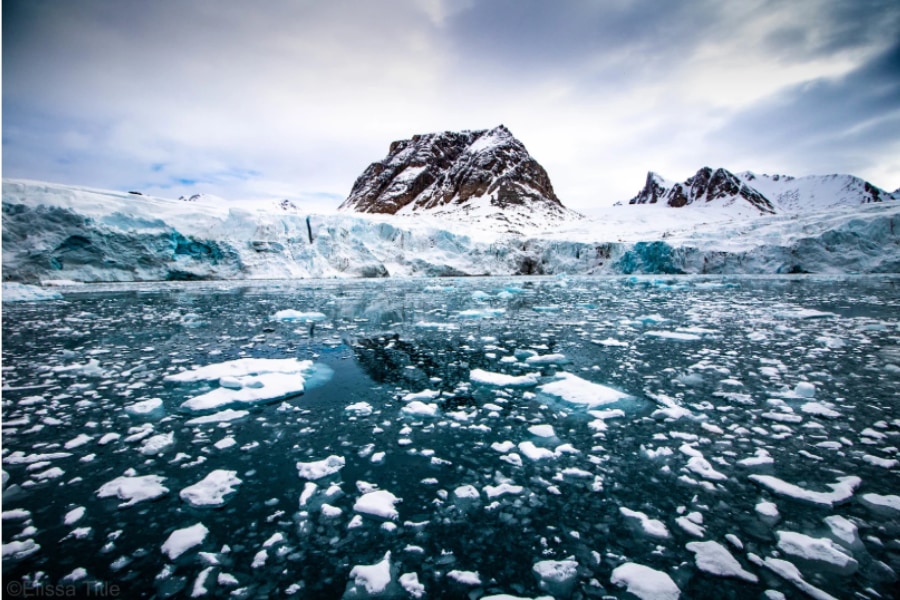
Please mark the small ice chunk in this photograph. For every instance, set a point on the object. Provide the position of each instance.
(289, 314)
(557, 577)
(320, 468)
(182, 540)
(74, 515)
(790, 572)
(674, 335)
(843, 530)
(466, 492)
(543, 431)
(213, 490)
(644, 582)
(494, 491)
(821, 550)
(144, 407)
(79, 440)
(547, 359)
(19, 549)
(410, 583)
(715, 559)
(502, 447)
(420, 409)
(134, 489)
(482, 377)
(887, 504)
(361, 409)
(157, 444)
(465, 577)
(535, 453)
(229, 414)
(841, 491)
(804, 389)
(768, 510)
(374, 579)
(379, 503)
(652, 527)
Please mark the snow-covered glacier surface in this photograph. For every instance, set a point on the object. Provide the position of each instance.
(455, 438)
(64, 233)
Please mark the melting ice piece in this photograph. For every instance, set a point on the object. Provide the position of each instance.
(791, 573)
(481, 313)
(410, 583)
(821, 550)
(465, 577)
(144, 407)
(715, 559)
(379, 503)
(265, 387)
(651, 527)
(420, 409)
(134, 488)
(543, 431)
(320, 468)
(558, 577)
(645, 583)
(576, 390)
(18, 550)
(886, 504)
(361, 409)
(674, 335)
(242, 367)
(547, 359)
(213, 490)
(482, 377)
(229, 414)
(372, 579)
(182, 540)
(840, 491)
(290, 314)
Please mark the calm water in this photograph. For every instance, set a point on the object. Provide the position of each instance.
(798, 375)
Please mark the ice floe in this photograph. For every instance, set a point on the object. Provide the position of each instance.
(319, 469)
(644, 582)
(378, 503)
(134, 488)
(576, 390)
(214, 490)
(182, 540)
(715, 559)
(483, 377)
(841, 491)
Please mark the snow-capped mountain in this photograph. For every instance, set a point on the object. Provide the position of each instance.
(484, 176)
(717, 187)
(749, 194)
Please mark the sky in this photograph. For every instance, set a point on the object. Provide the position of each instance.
(293, 99)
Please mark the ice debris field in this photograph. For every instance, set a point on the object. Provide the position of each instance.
(642, 438)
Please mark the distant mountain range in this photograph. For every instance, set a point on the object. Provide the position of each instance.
(767, 194)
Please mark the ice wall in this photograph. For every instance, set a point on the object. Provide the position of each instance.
(53, 232)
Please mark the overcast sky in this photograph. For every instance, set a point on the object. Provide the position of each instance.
(293, 99)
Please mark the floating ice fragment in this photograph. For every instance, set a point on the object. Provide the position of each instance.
(17, 550)
(543, 431)
(465, 577)
(576, 390)
(674, 335)
(361, 409)
(547, 359)
(74, 515)
(481, 313)
(157, 444)
(320, 468)
(819, 409)
(840, 491)
(410, 583)
(290, 314)
(229, 414)
(495, 491)
(803, 313)
(242, 367)
(535, 453)
(821, 550)
(144, 407)
(715, 559)
(134, 489)
(213, 490)
(182, 540)
(79, 440)
(887, 504)
(843, 530)
(644, 582)
(482, 377)
(22, 292)
(804, 389)
(789, 572)
(379, 503)
(374, 579)
(651, 527)
(558, 577)
(420, 409)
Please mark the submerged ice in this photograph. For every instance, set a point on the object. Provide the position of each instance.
(484, 438)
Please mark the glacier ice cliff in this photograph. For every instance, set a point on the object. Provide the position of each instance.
(56, 232)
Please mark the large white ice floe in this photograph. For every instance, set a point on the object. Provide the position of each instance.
(290, 314)
(841, 491)
(788, 571)
(715, 559)
(246, 381)
(576, 390)
(182, 540)
(134, 488)
(644, 582)
(213, 490)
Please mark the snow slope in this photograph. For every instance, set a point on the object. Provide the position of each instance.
(58, 232)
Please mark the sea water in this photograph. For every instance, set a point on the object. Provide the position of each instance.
(455, 438)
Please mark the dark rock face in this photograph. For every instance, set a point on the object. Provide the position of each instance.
(435, 172)
(707, 185)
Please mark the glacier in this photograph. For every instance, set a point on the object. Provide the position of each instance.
(60, 233)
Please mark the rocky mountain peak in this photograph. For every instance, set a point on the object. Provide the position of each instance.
(478, 174)
(706, 186)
